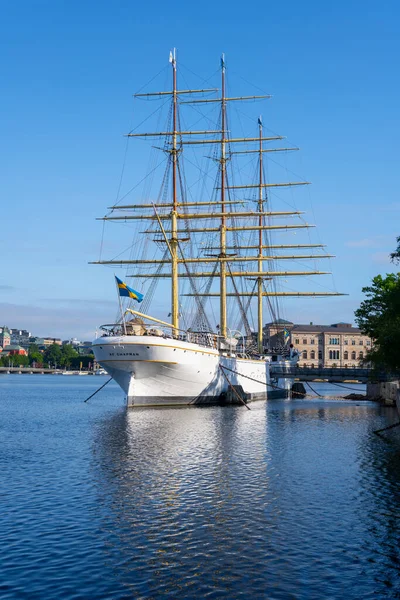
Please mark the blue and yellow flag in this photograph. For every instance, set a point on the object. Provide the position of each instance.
(286, 334)
(125, 290)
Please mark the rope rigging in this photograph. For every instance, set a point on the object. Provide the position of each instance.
(248, 330)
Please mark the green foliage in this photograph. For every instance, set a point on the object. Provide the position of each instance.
(62, 356)
(34, 355)
(52, 355)
(68, 354)
(86, 360)
(395, 256)
(33, 348)
(379, 317)
(14, 360)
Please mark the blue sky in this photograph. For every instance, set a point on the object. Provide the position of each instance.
(68, 73)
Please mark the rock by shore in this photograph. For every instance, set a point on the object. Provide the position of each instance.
(355, 397)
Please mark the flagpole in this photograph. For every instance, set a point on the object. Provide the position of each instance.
(120, 304)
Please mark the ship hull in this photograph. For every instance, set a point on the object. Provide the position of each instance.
(157, 371)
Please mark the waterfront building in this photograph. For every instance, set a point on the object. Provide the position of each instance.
(82, 348)
(49, 341)
(20, 337)
(5, 337)
(336, 345)
(14, 349)
(37, 341)
(72, 342)
(85, 348)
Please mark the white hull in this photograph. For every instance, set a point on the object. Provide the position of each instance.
(157, 371)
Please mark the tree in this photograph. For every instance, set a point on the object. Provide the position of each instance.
(52, 354)
(379, 317)
(34, 354)
(395, 256)
(15, 360)
(68, 353)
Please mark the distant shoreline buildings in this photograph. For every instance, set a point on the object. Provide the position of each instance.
(18, 341)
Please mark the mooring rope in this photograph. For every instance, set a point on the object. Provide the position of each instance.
(100, 388)
(378, 431)
(312, 389)
(233, 389)
(346, 387)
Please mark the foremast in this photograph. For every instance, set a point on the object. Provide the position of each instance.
(222, 276)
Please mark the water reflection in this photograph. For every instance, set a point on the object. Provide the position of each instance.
(293, 499)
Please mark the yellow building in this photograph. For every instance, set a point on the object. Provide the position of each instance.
(337, 345)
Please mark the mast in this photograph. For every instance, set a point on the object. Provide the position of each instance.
(222, 277)
(174, 234)
(260, 245)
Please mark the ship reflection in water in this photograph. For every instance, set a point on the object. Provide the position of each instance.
(293, 499)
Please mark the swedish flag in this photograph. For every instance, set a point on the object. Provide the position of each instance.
(125, 290)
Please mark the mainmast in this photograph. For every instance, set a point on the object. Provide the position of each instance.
(260, 245)
(174, 234)
(222, 277)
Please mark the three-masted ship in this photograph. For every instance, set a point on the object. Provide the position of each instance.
(216, 247)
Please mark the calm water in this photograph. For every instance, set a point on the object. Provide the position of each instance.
(291, 500)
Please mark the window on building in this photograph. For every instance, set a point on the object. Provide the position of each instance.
(312, 365)
(312, 341)
(346, 342)
(319, 355)
(334, 354)
(297, 341)
(304, 341)
(353, 342)
(360, 343)
(334, 341)
(368, 343)
(312, 355)
(353, 356)
(346, 355)
(304, 353)
(361, 355)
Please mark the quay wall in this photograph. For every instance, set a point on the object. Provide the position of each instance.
(385, 392)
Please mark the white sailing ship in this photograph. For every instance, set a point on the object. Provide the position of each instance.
(189, 360)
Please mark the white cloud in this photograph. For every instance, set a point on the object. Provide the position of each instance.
(364, 243)
(381, 258)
